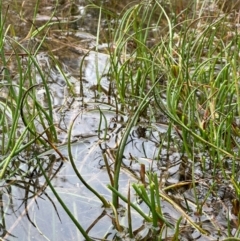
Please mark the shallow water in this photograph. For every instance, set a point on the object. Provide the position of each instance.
(40, 217)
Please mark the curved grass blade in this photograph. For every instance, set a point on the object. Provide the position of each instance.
(119, 155)
(63, 204)
(100, 197)
(7, 160)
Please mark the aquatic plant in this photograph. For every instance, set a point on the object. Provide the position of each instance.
(163, 110)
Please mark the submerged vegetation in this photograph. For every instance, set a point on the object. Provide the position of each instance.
(127, 117)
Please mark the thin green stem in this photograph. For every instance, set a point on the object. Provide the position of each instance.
(76, 223)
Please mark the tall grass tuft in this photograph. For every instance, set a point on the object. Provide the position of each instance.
(19, 105)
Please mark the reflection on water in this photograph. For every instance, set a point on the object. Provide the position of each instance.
(79, 83)
(30, 210)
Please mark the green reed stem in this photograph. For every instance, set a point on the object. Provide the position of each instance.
(147, 218)
(130, 230)
(100, 197)
(119, 155)
(7, 160)
(76, 223)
